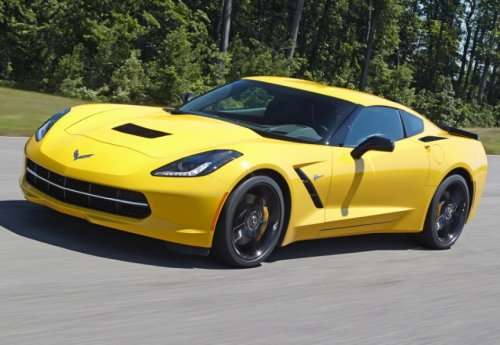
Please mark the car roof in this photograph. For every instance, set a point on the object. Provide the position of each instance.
(361, 98)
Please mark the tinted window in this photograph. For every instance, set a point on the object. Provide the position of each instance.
(252, 102)
(413, 124)
(273, 110)
(375, 121)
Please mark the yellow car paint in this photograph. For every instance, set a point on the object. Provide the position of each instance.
(381, 192)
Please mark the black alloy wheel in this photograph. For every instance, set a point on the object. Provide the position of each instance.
(251, 224)
(447, 214)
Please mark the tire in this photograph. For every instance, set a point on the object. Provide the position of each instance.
(447, 214)
(251, 223)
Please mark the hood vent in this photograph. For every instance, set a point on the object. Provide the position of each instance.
(139, 131)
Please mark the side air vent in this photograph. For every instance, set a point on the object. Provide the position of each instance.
(310, 188)
(431, 138)
(139, 131)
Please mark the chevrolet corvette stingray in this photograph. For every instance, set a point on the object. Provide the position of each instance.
(255, 164)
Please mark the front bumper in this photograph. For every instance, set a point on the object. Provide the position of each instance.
(183, 211)
(154, 227)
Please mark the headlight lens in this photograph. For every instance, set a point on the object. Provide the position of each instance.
(198, 165)
(40, 133)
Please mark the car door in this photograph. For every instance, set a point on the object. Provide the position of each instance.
(380, 190)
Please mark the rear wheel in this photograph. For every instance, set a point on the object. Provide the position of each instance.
(447, 214)
(251, 224)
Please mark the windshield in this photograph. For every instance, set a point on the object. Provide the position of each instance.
(274, 110)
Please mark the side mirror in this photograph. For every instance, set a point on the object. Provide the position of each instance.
(186, 97)
(373, 143)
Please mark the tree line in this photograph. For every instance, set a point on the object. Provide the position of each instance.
(441, 57)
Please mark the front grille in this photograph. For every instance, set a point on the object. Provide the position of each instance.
(89, 195)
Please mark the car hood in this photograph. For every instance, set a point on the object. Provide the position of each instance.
(157, 133)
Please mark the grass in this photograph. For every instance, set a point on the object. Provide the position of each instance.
(490, 138)
(21, 112)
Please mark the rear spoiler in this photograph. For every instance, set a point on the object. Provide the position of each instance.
(459, 132)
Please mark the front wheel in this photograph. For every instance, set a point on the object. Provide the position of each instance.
(447, 213)
(251, 223)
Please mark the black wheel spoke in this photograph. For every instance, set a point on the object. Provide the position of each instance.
(237, 236)
(241, 214)
(239, 226)
(446, 196)
(250, 199)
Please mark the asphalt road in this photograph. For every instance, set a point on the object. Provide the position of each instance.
(63, 281)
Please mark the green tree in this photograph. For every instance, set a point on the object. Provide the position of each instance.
(440, 56)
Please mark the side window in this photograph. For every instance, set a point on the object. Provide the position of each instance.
(372, 121)
(413, 124)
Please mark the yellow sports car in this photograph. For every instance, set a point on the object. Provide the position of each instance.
(258, 163)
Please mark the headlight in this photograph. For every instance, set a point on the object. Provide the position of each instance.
(197, 165)
(40, 133)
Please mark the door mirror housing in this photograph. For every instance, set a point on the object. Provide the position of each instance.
(373, 143)
(186, 97)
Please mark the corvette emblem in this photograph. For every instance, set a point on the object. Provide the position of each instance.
(77, 155)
